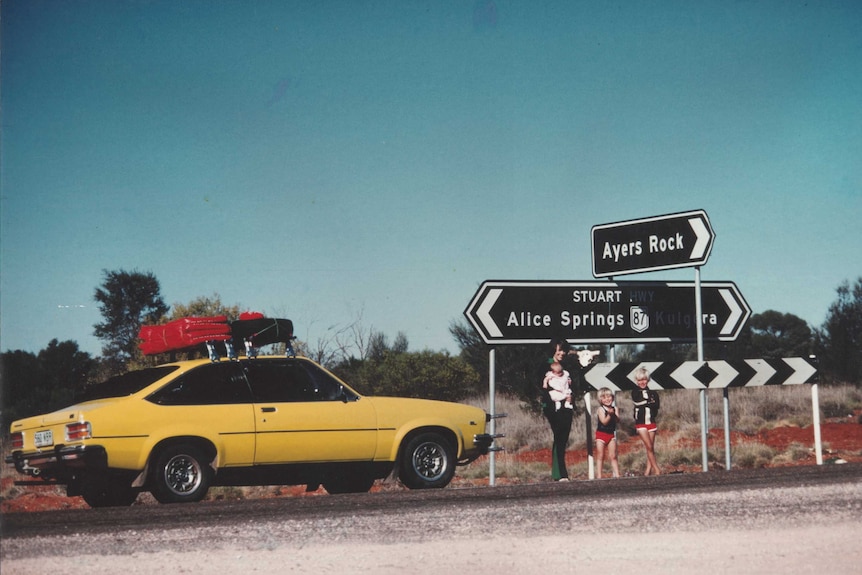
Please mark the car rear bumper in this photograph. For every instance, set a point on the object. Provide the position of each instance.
(60, 461)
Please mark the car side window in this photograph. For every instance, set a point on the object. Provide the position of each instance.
(329, 387)
(211, 384)
(283, 381)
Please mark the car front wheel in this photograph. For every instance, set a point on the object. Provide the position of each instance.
(181, 475)
(427, 462)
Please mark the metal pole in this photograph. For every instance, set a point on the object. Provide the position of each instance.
(726, 403)
(612, 359)
(815, 414)
(588, 417)
(492, 388)
(704, 407)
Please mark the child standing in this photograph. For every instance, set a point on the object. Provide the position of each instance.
(606, 432)
(646, 402)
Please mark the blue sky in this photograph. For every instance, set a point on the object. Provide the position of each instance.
(329, 160)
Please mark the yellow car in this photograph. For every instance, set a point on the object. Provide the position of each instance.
(178, 428)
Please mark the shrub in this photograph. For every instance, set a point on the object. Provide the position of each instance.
(750, 424)
(752, 455)
(684, 456)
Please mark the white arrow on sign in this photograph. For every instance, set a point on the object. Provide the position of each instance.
(684, 375)
(597, 376)
(763, 371)
(703, 237)
(483, 314)
(803, 370)
(724, 374)
(735, 311)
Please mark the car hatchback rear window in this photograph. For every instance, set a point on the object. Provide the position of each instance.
(127, 384)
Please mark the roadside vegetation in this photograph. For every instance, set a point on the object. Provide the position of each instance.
(751, 411)
(524, 457)
(54, 377)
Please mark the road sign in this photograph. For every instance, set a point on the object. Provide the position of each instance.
(657, 243)
(519, 312)
(703, 374)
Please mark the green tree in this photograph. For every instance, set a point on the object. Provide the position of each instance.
(127, 300)
(378, 346)
(425, 374)
(20, 373)
(839, 340)
(33, 384)
(519, 368)
(66, 371)
(204, 306)
(668, 352)
(472, 349)
(400, 344)
(770, 334)
(776, 334)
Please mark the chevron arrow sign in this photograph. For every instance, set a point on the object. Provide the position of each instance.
(520, 312)
(650, 244)
(704, 375)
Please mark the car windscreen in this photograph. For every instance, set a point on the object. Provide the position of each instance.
(126, 384)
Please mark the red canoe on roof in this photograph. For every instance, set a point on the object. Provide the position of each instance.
(183, 333)
(189, 332)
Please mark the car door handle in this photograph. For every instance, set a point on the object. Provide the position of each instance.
(267, 409)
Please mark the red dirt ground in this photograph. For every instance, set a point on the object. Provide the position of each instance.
(841, 440)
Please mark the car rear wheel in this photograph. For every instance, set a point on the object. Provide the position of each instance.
(427, 462)
(181, 474)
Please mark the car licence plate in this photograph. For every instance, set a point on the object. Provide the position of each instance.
(43, 438)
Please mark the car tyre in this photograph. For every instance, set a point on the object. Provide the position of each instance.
(427, 462)
(181, 474)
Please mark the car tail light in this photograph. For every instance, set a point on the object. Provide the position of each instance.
(78, 431)
(17, 440)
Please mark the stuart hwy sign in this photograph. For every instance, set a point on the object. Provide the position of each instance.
(650, 244)
(519, 312)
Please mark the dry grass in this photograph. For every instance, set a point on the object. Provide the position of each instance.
(750, 410)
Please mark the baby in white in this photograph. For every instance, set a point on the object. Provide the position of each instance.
(559, 386)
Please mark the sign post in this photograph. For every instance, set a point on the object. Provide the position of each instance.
(658, 243)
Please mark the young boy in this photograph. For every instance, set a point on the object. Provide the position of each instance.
(605, 432)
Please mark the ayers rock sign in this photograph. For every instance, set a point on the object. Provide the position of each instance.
(657, 243)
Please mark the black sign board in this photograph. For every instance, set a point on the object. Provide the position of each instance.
(650, 244)
(519, 312)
